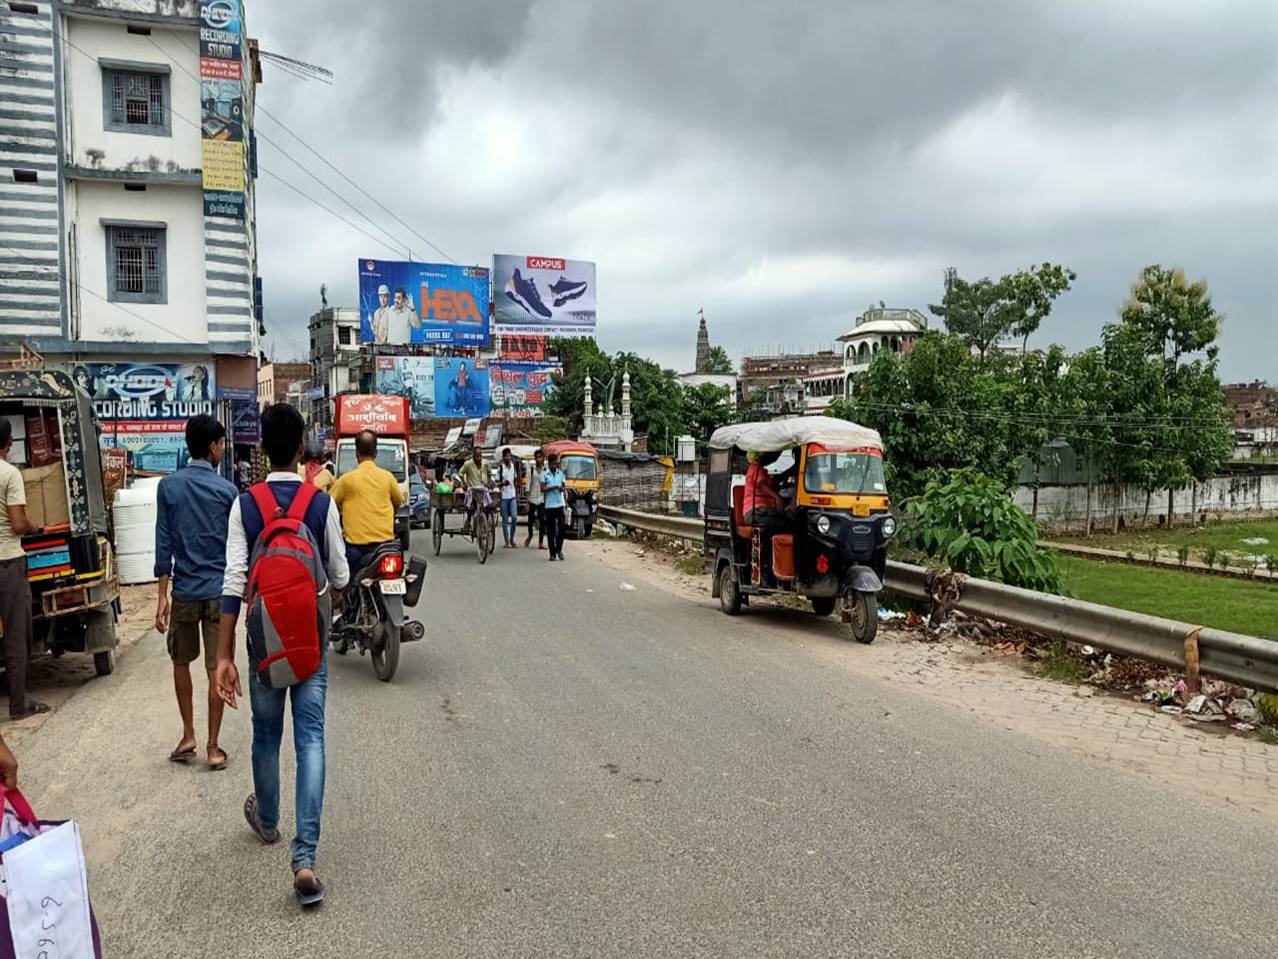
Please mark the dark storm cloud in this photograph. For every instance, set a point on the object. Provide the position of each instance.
(783, 165)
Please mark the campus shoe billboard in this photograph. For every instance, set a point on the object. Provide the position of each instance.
(543, 295)
(429, 303)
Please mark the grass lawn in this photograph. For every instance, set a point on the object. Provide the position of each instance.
(1223, 536)
(1238, 605)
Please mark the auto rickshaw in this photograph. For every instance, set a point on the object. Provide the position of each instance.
(580, 463)
(834, 549)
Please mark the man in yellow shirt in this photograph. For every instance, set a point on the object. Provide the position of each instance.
(368, 497)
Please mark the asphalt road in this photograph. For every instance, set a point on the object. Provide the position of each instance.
(569, 768)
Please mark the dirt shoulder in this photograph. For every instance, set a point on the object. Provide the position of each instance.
(56, 680)
(1004, 691)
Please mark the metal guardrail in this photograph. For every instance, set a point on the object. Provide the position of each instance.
(1242, 659)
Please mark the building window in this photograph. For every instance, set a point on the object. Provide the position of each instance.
(135, 102)
(135, 265)
(344, 335)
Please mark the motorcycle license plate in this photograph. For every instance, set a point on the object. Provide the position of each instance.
(394, 587)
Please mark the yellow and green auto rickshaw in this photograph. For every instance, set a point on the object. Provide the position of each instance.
(834, 517)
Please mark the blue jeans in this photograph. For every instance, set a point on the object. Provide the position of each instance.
(509, 518)
(356, 554)
(308, 744)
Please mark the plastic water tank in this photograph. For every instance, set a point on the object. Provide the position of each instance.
(134, 513)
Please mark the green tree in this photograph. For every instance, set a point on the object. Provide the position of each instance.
(1084, 413)
(718, 361)
(937, 409)
(984, 311)
(705, 409)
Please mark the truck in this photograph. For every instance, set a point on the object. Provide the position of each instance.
(388, 417)
(71, 567)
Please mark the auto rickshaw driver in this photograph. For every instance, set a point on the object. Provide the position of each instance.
(761, 502)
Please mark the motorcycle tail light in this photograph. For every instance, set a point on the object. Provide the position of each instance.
(391, 566)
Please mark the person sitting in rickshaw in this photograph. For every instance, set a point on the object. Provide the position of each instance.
(761, 503)
(474, 480)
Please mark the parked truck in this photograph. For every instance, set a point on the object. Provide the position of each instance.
(388, 417)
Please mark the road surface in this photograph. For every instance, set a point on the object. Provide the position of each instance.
(567, 767)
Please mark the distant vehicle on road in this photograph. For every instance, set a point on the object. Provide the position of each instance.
(826, 539)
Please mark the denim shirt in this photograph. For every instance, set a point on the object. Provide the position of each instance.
(554, 498)
(192, 506)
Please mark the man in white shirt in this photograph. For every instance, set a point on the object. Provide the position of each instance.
(509, 480)
(282, 433)
(15, 590)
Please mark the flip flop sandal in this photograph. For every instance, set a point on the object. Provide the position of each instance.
(182, 755)
(250, 815)
(310, 892)
(218, 764)
(33, 709)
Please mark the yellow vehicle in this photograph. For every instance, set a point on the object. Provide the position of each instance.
(580, 463)
(837, 513)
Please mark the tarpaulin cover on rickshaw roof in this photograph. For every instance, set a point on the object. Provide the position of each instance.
(798, 431)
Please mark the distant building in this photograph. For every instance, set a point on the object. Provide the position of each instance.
(879, 328)
(334, 332)
(1252, 404)
(275, 379)
(760, 372)
(703, 348)
(820, 387)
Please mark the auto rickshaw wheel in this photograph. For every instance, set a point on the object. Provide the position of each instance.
(823, 605)
(729, 592)
(104, 662)
(863, 616)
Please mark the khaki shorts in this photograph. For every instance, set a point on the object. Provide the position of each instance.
(187, 619)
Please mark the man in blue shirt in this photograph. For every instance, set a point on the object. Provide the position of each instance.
(190, 551)
(552, 488)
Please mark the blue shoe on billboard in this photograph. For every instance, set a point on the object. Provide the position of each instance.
(566, 290)
(524, 292)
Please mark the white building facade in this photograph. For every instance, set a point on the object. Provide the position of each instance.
(878, 328)
(108, 261)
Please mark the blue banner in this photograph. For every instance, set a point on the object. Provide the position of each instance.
(461, 387)
(430, 303)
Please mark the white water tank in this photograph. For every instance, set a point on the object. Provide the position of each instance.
(134, 513)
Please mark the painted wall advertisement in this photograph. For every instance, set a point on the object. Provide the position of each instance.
(410, 376)
(461, 387)
(440, 304)
(520, 389)
(143, 408)
(222, 108)
(543, 295)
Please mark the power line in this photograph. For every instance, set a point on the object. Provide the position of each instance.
(395, 241)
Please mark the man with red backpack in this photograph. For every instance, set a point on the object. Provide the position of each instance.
(284, 558)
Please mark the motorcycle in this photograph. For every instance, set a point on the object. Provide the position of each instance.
(372, 618)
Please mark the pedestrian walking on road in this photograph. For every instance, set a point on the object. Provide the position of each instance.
(509, 478)
(552, 487)
(536, 501)
(282, 430)
(192, 506)
(15, 590)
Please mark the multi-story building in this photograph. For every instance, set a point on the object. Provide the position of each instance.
(760, 372)
(274, 381)
(879, 328)
(334, 333)
(128, 251)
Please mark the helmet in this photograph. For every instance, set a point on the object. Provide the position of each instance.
(383, 290)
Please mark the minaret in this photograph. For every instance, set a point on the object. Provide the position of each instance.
(627, 435)
(703, 348)
(587, 408)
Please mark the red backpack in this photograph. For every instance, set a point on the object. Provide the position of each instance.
(289, 603)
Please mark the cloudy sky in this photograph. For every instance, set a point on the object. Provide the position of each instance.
(783, 165)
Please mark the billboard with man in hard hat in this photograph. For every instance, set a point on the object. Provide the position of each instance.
(403, 303)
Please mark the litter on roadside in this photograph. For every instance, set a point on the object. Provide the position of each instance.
(627, 587)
